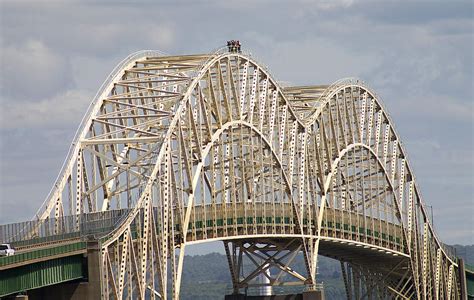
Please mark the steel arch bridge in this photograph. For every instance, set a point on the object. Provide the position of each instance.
(200, 148)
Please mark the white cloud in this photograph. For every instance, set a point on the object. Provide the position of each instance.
(65, 108)
(31, 70)
(328, 4)
(417, 56)
(430, 106)
(308, 60)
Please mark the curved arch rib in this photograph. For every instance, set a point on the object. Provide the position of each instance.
(179, 140)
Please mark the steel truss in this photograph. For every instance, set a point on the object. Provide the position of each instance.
(270, 259)
(209, 147)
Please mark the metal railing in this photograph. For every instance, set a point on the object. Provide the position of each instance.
(25, 234)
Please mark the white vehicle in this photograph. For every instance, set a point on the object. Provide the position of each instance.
(6, 250)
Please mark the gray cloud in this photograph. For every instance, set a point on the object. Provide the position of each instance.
(66, 107)
(31, 69)
(417, 55)
(415, 12)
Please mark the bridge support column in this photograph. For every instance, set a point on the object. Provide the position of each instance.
(462, 277)
(93, 289)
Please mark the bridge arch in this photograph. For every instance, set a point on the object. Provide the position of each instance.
(206, 152)
(329, 96)
(198, 119)
(366, 121)
(164, 129)
(336, 167)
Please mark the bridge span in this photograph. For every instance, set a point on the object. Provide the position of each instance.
(179, 150)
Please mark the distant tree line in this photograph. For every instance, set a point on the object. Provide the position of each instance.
(207, 276)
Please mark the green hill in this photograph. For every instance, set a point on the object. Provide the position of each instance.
(208, 277)
(466, 253)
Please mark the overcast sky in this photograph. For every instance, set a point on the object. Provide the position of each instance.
(417, 55)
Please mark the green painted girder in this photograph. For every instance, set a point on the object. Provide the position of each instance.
(42, 274)
(32, 255)
(469, 280)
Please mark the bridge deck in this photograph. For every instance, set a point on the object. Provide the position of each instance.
(213, 222)
(344, 235)
(34, 255)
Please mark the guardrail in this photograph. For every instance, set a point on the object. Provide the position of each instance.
(40, 274)
(34, 232)
(41, 253)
